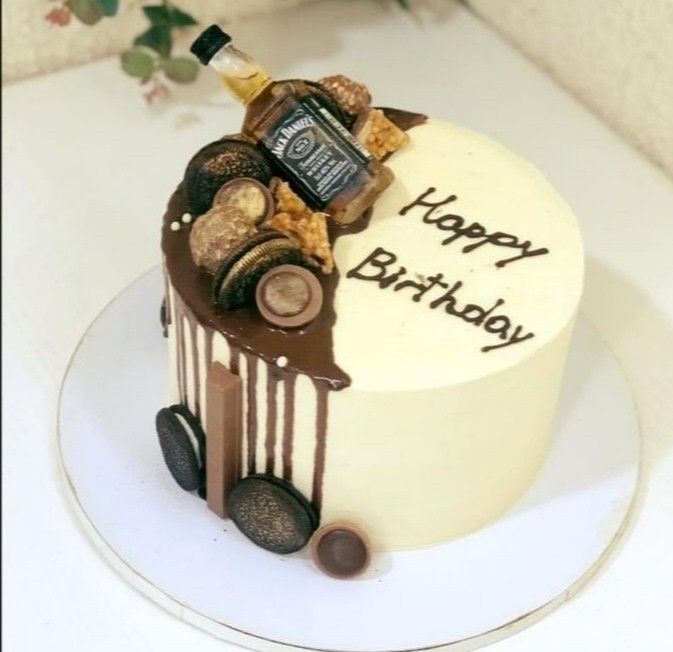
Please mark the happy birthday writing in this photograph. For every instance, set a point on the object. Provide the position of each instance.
(381, 267)
(459, 228)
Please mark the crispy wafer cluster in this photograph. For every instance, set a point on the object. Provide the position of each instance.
(378, 134)
(308, 229)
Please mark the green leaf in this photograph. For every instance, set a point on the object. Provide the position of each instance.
(180, 69)
(87, 11)
(157, 38)
(137, 64)
(404, 4)
(110, 7)
(181, 19)
(158, 15)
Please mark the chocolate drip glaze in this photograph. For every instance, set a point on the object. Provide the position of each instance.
(288, 424)
(271, 414)
(320, 447)
(196, 375)
(309, 350)
(251, 389)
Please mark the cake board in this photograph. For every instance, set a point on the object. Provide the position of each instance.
(459, 595)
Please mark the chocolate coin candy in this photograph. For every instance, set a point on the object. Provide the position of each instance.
(216, 233)
(289, 296)
(272, 513)
(341, 550)
(216, 164)
(237, 277)
(247, 195)
(183, 444)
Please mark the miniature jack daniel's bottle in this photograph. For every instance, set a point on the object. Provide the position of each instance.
(322, 161)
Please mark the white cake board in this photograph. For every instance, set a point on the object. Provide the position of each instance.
(461, 595)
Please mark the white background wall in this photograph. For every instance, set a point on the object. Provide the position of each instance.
(615, 55)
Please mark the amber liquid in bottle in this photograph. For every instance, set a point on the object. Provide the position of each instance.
(322, 161)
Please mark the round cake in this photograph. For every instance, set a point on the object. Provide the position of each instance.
(418, 404)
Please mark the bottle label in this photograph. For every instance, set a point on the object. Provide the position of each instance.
(315, 151)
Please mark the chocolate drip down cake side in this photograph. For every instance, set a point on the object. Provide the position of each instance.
(368, 313)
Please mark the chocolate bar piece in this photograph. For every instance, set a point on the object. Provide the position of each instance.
(223, 435)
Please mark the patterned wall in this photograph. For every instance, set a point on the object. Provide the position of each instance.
(31, 45)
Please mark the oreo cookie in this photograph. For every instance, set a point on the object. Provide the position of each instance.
(183, 444)
(272, 513)
(237, 277)
(216, 164)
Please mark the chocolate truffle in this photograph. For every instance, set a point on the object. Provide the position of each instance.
(216, 233)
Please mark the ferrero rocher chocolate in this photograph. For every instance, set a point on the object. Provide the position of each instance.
(351, 95)
(216, 233)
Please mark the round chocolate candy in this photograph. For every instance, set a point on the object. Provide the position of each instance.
(183, 444)
(249, 196)
(289, 296)
(272, 513)
(216, 164)
(237, 277)
(341, 550)
(216, 233)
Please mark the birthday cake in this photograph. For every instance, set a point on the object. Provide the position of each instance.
(373, 373)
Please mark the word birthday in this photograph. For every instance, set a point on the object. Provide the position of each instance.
(459, 228)
(380, 267)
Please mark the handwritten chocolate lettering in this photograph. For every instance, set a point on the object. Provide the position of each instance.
(459, 228)
(382, 268)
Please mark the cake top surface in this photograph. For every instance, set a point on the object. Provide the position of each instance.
(492, 266)
(470, 263)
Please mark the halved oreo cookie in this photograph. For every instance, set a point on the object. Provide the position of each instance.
(183, 444)
(216, 164)
(272, 513)
(236, 279)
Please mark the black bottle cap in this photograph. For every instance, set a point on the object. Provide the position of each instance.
(209, 43)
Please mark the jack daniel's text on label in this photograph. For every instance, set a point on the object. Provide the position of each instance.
(308, 146)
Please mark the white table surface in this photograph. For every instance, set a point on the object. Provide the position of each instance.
(87, 171)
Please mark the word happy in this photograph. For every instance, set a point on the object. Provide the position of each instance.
(380, 267)
(459, 228)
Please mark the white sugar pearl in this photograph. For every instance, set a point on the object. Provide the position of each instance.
(175, 226)
(186, 218)
(282, 361)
